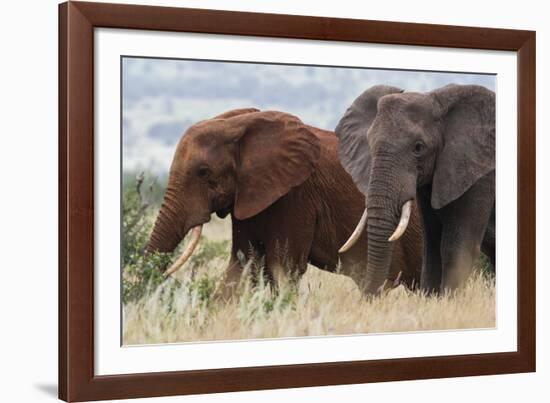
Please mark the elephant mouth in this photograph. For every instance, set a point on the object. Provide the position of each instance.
(222, 213)
(398, 232)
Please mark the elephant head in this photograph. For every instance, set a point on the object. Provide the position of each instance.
(392, 142)
(239, 162)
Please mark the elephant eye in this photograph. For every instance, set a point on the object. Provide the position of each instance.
(203, 172)
(418, 148)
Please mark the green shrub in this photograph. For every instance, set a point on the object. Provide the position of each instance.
(143, 276)
(204, 288)
(140, 273)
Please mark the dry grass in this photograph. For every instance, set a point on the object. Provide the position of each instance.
(321, 304)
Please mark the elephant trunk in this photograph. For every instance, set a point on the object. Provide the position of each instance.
(169, 229)
(379, 228)
(384, 210)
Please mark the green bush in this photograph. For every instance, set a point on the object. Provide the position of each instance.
(143, 276)
(140, 273)
(204, 287)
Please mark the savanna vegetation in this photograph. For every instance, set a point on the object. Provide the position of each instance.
(185, 307)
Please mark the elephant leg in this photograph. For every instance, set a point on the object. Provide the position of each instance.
(459, 252)
(285, 269)
(465, 223)
(287, 255)
(489, 250)
(402, 268)
(430, 278)
(231, 278)
(406, 266)
(353, 262)
(241, 246)
(488, 245)
(354, 268)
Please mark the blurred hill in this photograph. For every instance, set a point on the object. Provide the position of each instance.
(162, 97)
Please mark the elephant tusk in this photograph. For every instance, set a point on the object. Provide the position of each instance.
(195, 235)
(403, 222)
(356, 233)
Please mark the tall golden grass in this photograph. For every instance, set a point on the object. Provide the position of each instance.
(186, 309)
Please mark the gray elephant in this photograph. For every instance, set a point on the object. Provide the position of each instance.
(438, 148)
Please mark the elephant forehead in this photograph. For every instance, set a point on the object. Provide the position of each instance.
(389, 131)
(399, 113)
(409, 104)
(195, 143)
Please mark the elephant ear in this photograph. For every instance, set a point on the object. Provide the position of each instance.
(353, 147)
(235, 112)
(276, 152)
(468, 152)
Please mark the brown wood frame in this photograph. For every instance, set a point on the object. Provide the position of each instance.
(77, 21)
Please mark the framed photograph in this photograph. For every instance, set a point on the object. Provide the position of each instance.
(254, 201)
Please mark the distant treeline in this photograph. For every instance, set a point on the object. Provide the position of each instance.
(151, 187)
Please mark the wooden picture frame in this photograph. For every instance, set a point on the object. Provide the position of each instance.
(77, 21)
